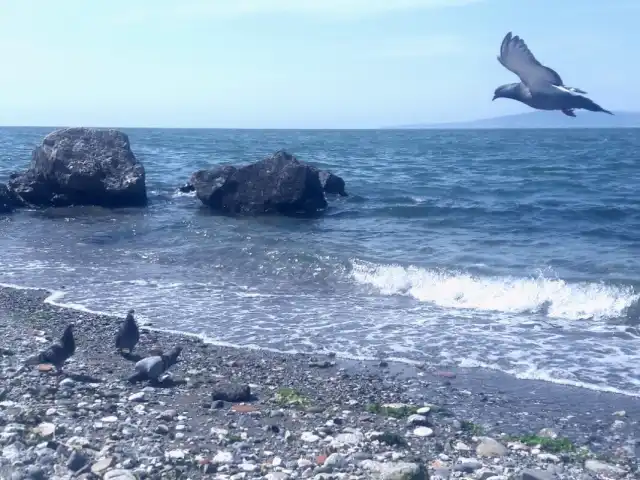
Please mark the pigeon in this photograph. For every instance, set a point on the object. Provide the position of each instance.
(150, 368)
(540, 87)
(128, 335)
(58, 353)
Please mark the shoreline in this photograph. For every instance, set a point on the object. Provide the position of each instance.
(399, 366)
(466, 405)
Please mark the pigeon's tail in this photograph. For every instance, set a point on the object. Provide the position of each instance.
(588, 104)
(67, 341)
(171, 358)
(137, 377)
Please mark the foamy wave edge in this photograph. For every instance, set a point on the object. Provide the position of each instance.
(451, 289)
(55, 296)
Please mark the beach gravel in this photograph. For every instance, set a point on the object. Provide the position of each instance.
(226, 413)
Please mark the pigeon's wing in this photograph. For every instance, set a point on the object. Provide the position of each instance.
(54, 354)
(516, 57)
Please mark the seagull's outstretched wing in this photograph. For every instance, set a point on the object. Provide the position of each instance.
(516, 57)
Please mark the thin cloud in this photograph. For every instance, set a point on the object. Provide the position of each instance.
(234, 8)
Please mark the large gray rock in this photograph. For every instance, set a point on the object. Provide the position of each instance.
(82, 166)
(279, 184)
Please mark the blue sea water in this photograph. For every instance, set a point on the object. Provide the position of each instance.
(516, 250)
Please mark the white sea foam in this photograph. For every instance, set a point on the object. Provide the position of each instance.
(374, 327)
(560, 377)
(459, 290)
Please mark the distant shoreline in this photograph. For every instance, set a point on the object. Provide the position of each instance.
(522, 121)
(535, 121)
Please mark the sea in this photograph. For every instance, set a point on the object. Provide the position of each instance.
(512, 250)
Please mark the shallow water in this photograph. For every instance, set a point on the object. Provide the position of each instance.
(512, 250)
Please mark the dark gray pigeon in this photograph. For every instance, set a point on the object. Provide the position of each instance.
(58, 353)
(150, 368)
(540, 87)
(128, 335)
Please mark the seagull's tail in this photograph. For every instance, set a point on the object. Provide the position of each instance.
(588, 104)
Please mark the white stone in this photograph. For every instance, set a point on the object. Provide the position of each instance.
(175, 454)
(423, 432)
(335, 460)
(402, 471)
(423, 410)
(602, 468)
(101, 465)
(46, 430)
(548, 433)
(352, 439)
(223, 457)
(548, 457)
(249, 467)
(110, 419)
(462, 447)
(276, 462)
(78, 442)
(11, 453)
(119, 474)
(137, 397)
(304, 463)
(309, 437)
(417, 420)
(489, 447)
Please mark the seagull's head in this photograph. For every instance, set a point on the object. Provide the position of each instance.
(506, 91)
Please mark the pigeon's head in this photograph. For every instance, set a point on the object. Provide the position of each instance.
(131, 311)
(506, 91)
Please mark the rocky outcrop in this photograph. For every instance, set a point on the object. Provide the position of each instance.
(82, 166)
(278, 184)
(332, 183)
(8, 201)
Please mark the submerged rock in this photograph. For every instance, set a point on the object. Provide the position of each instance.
(82, 166)
(332, 183)
(8, 201)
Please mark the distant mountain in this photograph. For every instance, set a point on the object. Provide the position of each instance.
(542, 119)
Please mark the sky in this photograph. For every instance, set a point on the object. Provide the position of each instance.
(298, 63)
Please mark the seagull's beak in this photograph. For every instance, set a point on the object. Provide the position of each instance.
(494, 97)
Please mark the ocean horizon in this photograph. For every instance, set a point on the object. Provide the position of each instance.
(510, 250)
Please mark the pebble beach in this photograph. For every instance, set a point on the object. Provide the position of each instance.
(227, 413)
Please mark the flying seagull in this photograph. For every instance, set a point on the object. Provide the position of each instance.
(540, 87)
(128, 334)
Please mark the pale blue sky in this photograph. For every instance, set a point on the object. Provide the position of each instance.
(298, 63)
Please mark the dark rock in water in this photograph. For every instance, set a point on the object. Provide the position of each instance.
(231, 392)
(278, 184)
(187, 188)
(8, 201)
(332, 183)
(82, 166)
